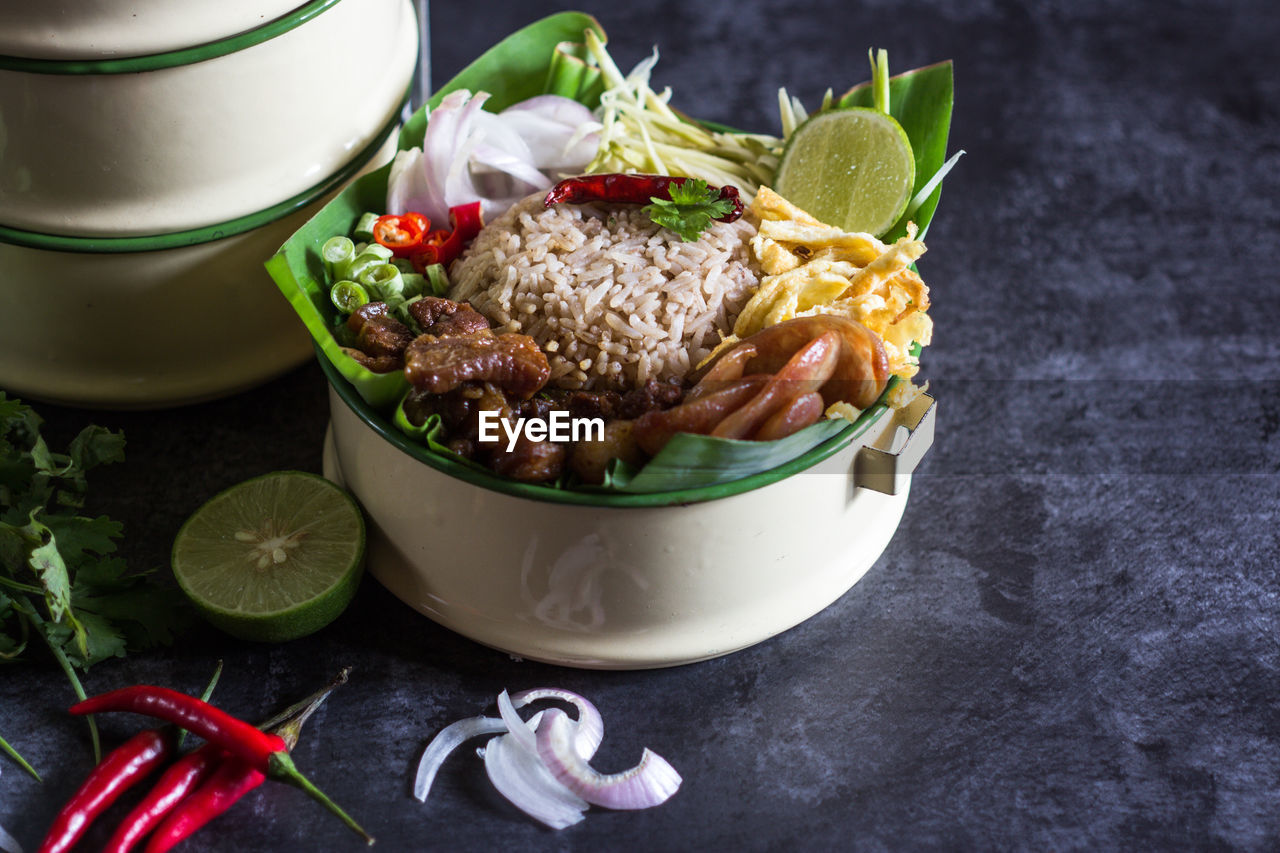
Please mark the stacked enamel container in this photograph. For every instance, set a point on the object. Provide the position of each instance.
(152, 155)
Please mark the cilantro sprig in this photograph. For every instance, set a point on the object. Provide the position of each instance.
(61, 581)
(690, 210)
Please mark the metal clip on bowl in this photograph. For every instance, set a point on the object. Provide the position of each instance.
(888, 471)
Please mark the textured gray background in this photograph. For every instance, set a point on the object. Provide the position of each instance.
(1071, 643)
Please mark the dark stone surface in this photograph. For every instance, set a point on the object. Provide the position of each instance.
(1071, 643)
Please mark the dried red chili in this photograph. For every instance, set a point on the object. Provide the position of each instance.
(617, 188)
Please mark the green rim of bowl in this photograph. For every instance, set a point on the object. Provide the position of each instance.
(208, 233)
(529, 491)
(172, 58)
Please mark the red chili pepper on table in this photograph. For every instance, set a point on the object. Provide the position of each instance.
(124, 767)
(233, 778)
(180, 779)
(265, 752)
(619, 188)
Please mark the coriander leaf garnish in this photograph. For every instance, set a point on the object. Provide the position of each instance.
(60, 580)
(690, 210)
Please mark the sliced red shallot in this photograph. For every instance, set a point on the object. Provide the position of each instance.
(590, 730)
(469, 154)
(541, 765)
(450, 738)
(518, 773)
(649, 783)
(562, 134)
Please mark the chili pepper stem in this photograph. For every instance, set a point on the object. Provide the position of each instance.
(282, 768)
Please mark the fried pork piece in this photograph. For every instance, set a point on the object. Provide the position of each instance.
(590, 458)
(585, 404)
(444, 317)
(529, 461)
(380, 338)
(513, 363)
(653, 395)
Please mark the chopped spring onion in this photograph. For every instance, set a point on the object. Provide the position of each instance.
(347, 296)
(414, 283)
(353, 268)
(384, 280)
(335, 251)
(880, 78)
(364, 227)
(403, 264)
(378, 250)
(438, 280)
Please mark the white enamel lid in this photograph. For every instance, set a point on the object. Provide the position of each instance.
(107, 29)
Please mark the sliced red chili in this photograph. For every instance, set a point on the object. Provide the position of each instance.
(402, 234)
(443, 247)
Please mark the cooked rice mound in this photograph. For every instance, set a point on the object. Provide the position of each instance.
(613, 299)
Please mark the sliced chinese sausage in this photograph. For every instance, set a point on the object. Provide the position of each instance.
(799, 413)
(654, 429)
(727, 368)
(804, 373)
(861, 372)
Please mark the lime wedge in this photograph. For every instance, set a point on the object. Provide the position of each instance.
(273, 558)
(851, 168)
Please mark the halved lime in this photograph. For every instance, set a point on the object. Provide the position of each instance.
(851, 168)
(273, 558)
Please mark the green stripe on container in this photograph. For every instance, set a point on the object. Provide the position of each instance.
(532, 491)
(209, 233)
(172, 58)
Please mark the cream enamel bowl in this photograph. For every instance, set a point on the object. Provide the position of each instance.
(131, 147)
(99, 29)
(624, 582)
(174, 324)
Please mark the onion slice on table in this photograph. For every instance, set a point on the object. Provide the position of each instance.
(649, 783)
(590, 730)
(515, 769)
(450, 738)
(541, 765)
